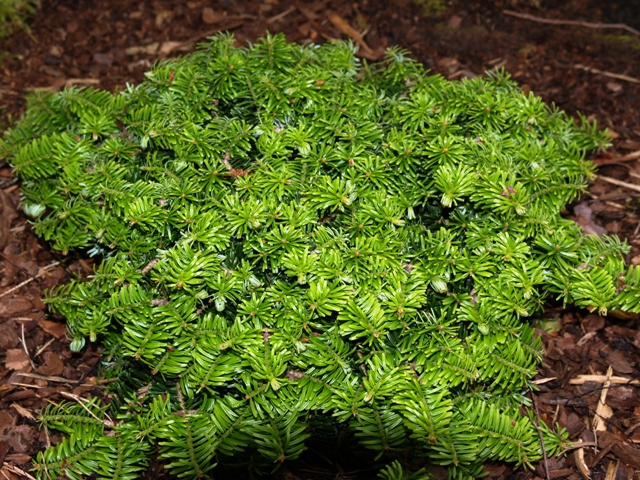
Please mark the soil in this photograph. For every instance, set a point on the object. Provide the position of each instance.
(595, 71)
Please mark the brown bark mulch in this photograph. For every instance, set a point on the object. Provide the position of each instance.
(108, 43)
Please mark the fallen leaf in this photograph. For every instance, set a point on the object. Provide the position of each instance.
(55, 329)
(23, 411)
(16, 359)
(21, 438)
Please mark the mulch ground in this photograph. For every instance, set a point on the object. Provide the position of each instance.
(108, 43)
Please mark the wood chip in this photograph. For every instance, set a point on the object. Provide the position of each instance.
(578, 456)
(586, 338)
(55, 329)
(612, 470)
(16, 359)
(603, 411)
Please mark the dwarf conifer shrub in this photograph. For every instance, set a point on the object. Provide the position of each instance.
(292, 241)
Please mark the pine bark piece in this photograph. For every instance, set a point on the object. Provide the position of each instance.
(16, 359)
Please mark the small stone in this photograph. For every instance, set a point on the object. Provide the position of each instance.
(103, 59)
(615, 87)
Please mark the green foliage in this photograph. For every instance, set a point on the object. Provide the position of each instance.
(290, 238)
(13, 13)
(431, 7)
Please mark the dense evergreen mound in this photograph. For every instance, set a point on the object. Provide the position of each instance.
(292, 240)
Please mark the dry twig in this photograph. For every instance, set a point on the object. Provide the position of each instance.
(542, 381)
(537, 425)
(342, 25)
(281, 15)
(107, 423)
(617, 76)
(92, 383)
(625, 158)
(24, 346)
(620, 183)
(578, 445)
(576, 23)
(44, 347)
(26, 282)
(17, 471)
(581, 379)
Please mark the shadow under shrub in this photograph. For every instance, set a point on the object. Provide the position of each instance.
(294, 242)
